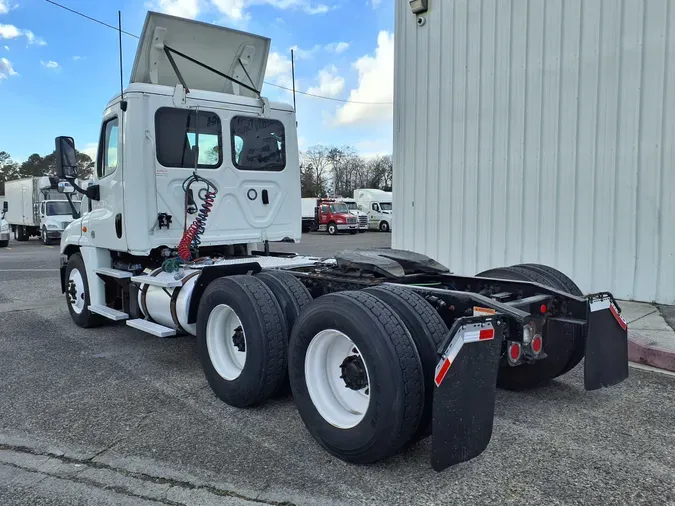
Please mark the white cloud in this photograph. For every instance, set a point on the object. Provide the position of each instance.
(90, 149)
(32, 39)
(50, 64)
(12, 32)
(376, 84)
(5, 7)
(78, 58)
(181, 8)
(6, 48)
(9, 32)
(337, 47)
(279, 70)
(305, 54)
(375, 3)
(236, 9)
(330, 84)
(6, 69)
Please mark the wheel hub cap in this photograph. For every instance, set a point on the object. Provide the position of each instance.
(354, 372)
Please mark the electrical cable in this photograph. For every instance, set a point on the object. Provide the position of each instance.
(265, 82)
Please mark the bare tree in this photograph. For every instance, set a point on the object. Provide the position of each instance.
(316, 160)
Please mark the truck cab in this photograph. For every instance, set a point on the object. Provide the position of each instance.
(377, 204)
(360, 215)
(4, 227)
(55, 216)
(333, 216)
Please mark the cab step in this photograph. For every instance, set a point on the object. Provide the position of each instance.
(108, 312)
(113, 273)
(151, 327)
(152, 281)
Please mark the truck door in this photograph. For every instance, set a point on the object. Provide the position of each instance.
(374, 214)
(105, 222)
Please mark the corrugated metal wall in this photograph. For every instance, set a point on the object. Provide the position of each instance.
(540, 131)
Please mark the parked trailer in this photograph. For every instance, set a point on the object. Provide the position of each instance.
(381, 348)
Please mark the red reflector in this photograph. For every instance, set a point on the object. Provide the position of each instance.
(486, 334)
(442, 372)
(514, 351)
(543, 309)
(536, 344)
(617, 317)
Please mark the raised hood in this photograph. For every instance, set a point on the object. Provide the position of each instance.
(223, 49)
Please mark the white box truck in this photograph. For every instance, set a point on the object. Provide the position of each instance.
(377, 205)
(34, 207)
(381, 347)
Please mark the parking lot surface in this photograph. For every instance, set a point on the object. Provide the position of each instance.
(115, 416)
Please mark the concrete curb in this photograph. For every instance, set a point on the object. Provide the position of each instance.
(649, 355)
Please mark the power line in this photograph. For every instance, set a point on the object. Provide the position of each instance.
(266, 82)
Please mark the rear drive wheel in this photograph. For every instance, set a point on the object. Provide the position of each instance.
(4, 244)
(290, 293)
(240, 340)
(384, 226)
(77, 293)
(356, 376)
(427, 329)
(559, 348)
(332, 228)
(559, 281)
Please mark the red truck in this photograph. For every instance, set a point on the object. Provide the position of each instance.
(330, 216)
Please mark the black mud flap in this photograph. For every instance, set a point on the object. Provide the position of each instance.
(466, 385)
(606, 362)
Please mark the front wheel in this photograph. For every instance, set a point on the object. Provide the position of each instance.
(4, 244)
(77, 293)
(384, 226)
(332, 228)
(45, 238)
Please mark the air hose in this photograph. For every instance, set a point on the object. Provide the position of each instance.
(192, 235)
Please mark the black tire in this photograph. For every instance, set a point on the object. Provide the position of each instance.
(561, 282)
(265, 329)
(85, 318)
(361, 231)
(560, 349)
(44, 238)
(332, 228)
(427, 329)
(353, 232)
(20, 234)
(384, 226)
(565, 283)
(4, 244)
(292, 296)
(393, 365)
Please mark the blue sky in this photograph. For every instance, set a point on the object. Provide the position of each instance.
(58, 70)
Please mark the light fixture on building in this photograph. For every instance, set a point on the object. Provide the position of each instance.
(419, 6)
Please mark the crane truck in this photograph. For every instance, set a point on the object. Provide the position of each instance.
(197, 173)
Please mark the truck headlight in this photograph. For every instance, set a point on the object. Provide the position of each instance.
(5, 228)
(52, 226)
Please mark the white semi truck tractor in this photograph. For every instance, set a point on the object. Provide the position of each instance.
(197, 173)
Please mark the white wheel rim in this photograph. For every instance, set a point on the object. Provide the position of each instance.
(226, 358)
(339, 405)
(75, 279)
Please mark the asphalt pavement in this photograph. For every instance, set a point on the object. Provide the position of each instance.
(115, 416)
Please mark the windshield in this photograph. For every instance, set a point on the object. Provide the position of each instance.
(351, 206)
(61, 208)
(385, 206)
(339, 208)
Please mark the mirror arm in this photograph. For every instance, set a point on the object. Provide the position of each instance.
(75, 214)
(92, 191)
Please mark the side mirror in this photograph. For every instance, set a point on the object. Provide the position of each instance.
(66, 158)
(65, 187)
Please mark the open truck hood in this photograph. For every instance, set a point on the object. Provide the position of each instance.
(218, 47)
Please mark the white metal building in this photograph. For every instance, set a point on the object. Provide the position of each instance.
(539, 131)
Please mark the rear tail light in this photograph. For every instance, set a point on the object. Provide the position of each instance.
(514, 352)
(536, 344)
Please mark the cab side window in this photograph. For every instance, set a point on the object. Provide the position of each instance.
(107, 148)
(376, 208)
(324, 209)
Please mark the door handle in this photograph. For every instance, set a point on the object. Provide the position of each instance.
(118, 225)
